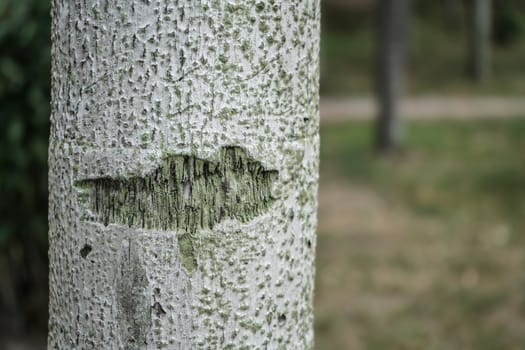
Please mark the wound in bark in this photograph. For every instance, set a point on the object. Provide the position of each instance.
(184, 193)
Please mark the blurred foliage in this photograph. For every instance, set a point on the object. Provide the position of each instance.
(509, 22)
(438, 48)
(24, 117)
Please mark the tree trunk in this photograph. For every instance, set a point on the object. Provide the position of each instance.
(392, 28)
(183, 174)
(454, 15)
(479, 45)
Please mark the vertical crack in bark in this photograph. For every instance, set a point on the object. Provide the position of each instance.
(133, 307)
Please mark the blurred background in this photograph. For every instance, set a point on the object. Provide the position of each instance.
(422, 196)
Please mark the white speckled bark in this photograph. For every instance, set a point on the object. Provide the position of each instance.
(134, 81)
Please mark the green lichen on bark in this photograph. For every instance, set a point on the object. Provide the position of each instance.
(185, 194)
(187, 252)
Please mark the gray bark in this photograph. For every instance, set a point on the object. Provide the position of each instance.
(183, 166)
(393, 16)
(479, 40)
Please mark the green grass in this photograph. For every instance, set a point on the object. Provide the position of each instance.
(446, 165)
(436, 260)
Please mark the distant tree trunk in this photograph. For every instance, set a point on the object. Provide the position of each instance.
(454, 14)
(393, 16)
(479, 40)
(183, 168)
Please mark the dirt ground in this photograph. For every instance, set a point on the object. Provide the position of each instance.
(389, 278)
(425, 107)
(362, 236)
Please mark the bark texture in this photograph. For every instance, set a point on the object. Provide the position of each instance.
(479, 43)
(183, 174)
